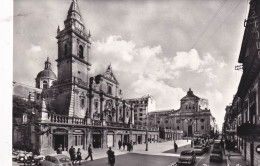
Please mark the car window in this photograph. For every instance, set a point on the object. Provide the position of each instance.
(54, 160)
(64, 160)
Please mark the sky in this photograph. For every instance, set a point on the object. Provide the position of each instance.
(160, 48)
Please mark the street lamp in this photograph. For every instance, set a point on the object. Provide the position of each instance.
(146, 97)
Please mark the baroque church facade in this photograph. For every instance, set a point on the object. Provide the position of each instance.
(76, 109)
(192, 119)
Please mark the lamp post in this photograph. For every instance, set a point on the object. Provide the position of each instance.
(146, 97)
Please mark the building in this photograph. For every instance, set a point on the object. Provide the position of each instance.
(189, 120)
(242, 120)
(74, 109)
(142, 106)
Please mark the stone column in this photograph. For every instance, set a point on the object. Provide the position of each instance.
(104, 138)
(117, 104)
(124, 108)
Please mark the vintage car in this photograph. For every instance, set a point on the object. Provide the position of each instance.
(56, 160)
(187, 157)
(199, 149)
(216, 155)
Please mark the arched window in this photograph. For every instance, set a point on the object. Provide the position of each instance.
(44, 85)
(81, 51)
(65, 49)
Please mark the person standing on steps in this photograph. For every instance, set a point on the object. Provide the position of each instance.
(79, 158)
(71, 152)
(89, 153)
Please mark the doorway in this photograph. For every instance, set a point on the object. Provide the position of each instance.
(252, 153)
(96, 140)
(126, 138)
(60, 140)
(190, 130)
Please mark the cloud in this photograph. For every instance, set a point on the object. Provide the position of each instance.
(34, 49)
(144, 70)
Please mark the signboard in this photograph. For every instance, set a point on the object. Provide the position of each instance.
(257, 149)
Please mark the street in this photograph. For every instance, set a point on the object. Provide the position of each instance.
(159, 154)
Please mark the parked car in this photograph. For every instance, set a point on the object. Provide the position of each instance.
(216, 155)
(56, 160)
(199, 149)
(187, 157)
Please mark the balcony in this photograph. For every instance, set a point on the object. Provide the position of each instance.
(61, 119)
(116, 124)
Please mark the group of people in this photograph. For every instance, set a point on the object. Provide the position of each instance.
(75, 157)
(129, 145)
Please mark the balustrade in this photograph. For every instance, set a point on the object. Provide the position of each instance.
(66, 120)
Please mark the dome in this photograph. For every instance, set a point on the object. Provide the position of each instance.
(47, 73)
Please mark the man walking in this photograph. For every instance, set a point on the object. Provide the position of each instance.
(109, 154)
(89, 153)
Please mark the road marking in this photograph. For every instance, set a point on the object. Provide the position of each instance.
(200, 159)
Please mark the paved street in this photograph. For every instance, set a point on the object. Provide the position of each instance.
(159, 154)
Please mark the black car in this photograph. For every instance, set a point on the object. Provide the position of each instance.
(216, 155)
(187, 157)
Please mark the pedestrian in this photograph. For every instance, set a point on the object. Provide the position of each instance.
(71, 152)
(112, 159)
(124, 145)
(59, 150)
(119, 144)
(79, 158)
(109, 153)
(175, 147)
(89, 153)
(132, 146)
(73, 156)
(191, 143)
(128, 146)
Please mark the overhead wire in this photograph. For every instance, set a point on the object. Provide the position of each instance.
(210, 22)
(226, 18)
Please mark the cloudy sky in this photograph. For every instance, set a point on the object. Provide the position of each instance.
(161, 48)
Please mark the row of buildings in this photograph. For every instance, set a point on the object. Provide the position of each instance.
(74, 109)
(242, 119)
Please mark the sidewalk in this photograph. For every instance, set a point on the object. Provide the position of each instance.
(232, 153)
(236, 161)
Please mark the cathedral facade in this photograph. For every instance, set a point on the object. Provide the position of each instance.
(192, 119)
(74, 108)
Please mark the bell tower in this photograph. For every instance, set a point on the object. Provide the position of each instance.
(73, 47)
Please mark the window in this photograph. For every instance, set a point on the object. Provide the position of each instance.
(44, 85)
(82, 102)
(202, 120)
(178, 127)
(81, 52)
(96, 104)
(141, 118)
(178, 121)
(202, 127)
(141, 114)
(140, 109)
(135, 110)
(38, 96)
(78, 140)
(109, 89)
